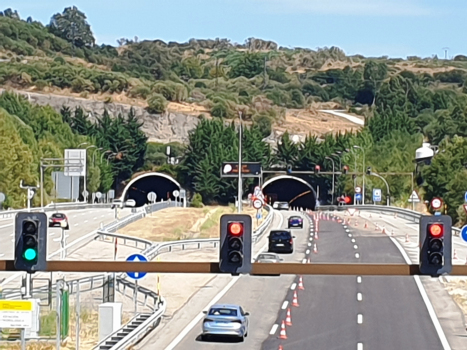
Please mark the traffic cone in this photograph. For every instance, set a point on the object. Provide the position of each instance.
(407, 240)
(309, 261)
(455, 255)
(376, 227)
(288, 319)
(280, 347)
(392, 232)
(300, 283)
(395, 215)
(370, 215)
(366, 224)
(316, 235)
(295, 299)
(315, 249)
(283, 334)
(383, 231)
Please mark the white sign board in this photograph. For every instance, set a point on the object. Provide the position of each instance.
(176, 193)
(15, 314)
(152, 196)
(377, 197)
(257, 204)
(75, 162)
(414, 197)
(436, 203)
(358, 189)
(182, 194)
(2, 197)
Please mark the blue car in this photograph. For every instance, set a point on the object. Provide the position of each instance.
(295, 221)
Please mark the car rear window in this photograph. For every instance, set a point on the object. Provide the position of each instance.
(61, 216)
(281, 235)
(295, 218)
(267, 256)
(222, 312)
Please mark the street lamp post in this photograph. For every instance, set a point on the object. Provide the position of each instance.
(333, 168)
(239, 208)
(363, 176)
(355, 179)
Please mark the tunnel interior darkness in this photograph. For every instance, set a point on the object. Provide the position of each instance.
(162, 185)
(295, 191)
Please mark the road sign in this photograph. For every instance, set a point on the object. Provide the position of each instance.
(15, 314)
(152, 196)
(259, 215)
(465, 196)
(436, 203)
(257, 203)
(85, 194)
(111, 194)
(98, 195)
(257, 192)
(377, 197)
(358, 196)
(176, 193)
(249, 169)
(2, 197)
(358, 189)
(75, 162)
(136, 275)
(464, 233)
(414, 197)
(182, 194)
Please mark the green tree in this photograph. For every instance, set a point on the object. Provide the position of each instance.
(374, 74)
(72, 26)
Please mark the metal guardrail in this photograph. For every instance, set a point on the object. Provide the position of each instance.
(403, 213)
(53, 207)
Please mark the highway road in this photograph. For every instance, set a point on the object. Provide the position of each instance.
(258, 295)
(347, 312)
(334, 312)
(82, 222)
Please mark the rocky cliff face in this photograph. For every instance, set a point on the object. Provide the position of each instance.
(167, 127)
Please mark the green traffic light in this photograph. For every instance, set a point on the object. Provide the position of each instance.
(30, 254)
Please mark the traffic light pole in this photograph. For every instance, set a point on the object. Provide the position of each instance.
(239, 199)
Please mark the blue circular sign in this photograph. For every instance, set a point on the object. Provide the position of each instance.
(136, 275)
(464, 233)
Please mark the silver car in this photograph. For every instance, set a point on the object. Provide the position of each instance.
(268, 258)
(225, 319)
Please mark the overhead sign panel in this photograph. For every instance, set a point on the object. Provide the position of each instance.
(249, 169)
(75, 162)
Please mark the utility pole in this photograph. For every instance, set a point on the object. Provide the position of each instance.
(239, 208)
(445, 52)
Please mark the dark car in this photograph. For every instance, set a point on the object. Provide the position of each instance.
(60, 220)
(281, 241)
(295, 221)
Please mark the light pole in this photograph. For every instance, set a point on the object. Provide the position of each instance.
(355, 179)
(333, 167)
(239, 208)
(363, 170)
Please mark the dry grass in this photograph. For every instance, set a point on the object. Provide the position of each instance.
(182, 223)
(457, 288)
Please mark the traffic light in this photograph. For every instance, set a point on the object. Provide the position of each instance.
(346, 169)
(435, 244)
(317, 169)
(31, 242)
(235, 243)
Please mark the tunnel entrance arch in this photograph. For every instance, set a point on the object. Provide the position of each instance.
(161, 184)
(294, 190)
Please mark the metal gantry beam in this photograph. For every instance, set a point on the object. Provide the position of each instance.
(258, 269)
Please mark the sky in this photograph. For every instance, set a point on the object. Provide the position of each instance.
(373, 28)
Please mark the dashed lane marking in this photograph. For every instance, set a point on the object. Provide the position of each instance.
(274, 329)
(284, 305)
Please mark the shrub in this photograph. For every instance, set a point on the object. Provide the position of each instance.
(197, 201)
(156, 104)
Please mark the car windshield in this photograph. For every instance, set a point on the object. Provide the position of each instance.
(222, 312)
(281, 235)
(267, 256)
(60, 216)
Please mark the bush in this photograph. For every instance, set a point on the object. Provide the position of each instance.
(157, 104)
(197, 201)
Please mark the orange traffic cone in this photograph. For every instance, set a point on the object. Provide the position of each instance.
(295, 299)
(315, 249)
(455, 255)
(407, 240)
(280, 347)
(395, 215)
(300, 283)
(316, 235)
(366, 224)
(288, 319)
(283, 334)
(466, 260)
(383, 231)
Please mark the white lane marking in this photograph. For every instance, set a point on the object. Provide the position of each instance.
(359, 296)
(357, 255)
(284, 305)
(75, 225)
(355, 246)
(94, 218)
(56, 239)
(2, 255)
(359, 279)
(350, 235)
(274, 329)
(282, 220)
(6, 225)
(12, 234)
(359, 318)
(429, 306)
(359, 346)
(51, 233)
(194, 322)
(85, 221)
(352, 240)
(309, 244)
(304, 261)
(311, 238)
(293, 286)
(307, 251)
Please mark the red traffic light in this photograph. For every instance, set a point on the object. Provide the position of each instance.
(317, 167)
(347, 200)
(235, 228)
(436, 230)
